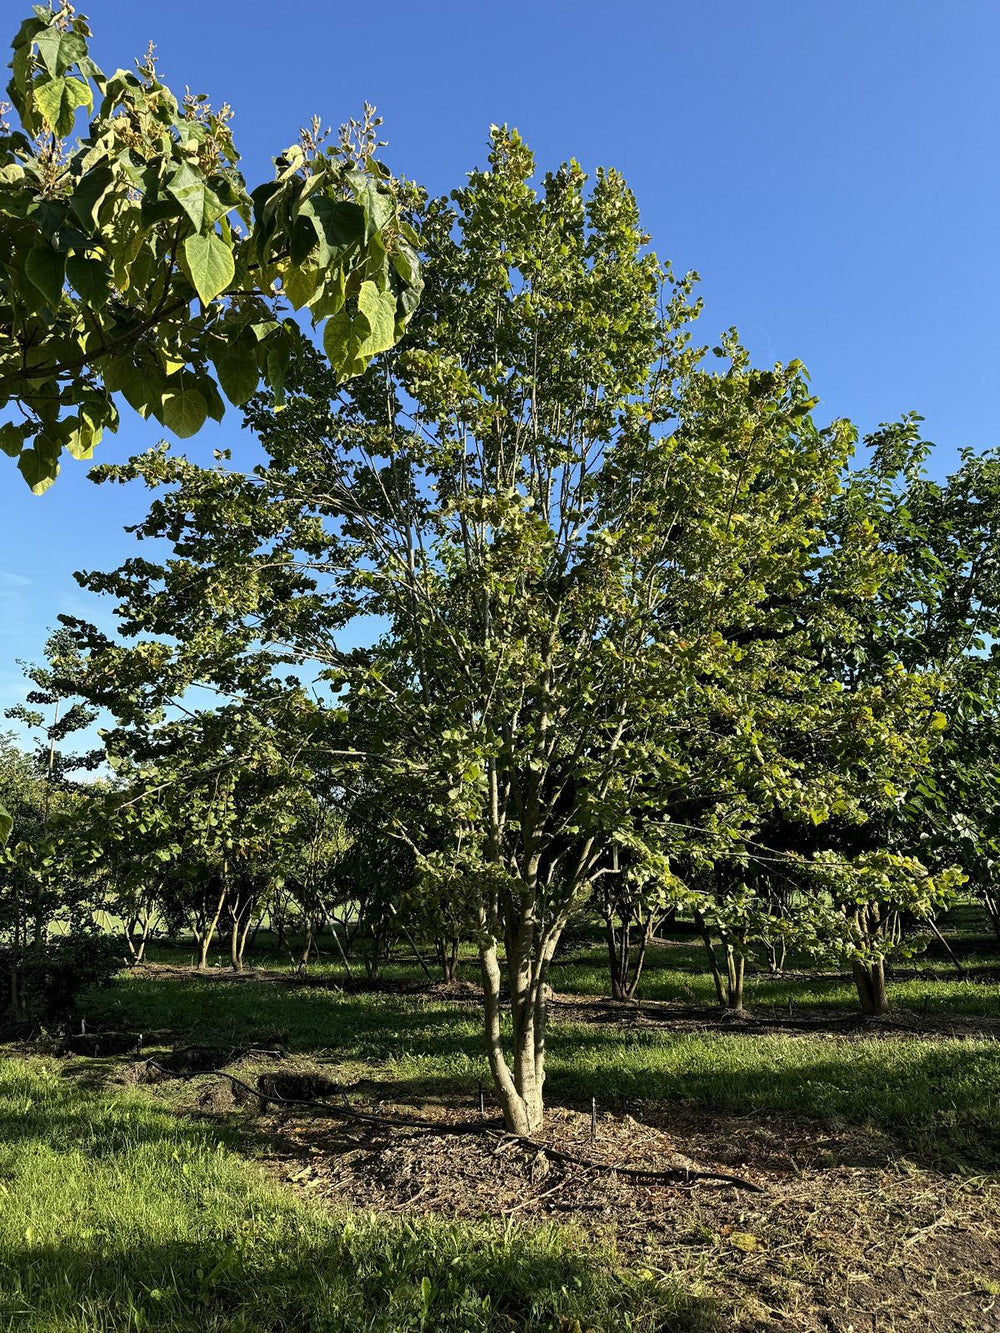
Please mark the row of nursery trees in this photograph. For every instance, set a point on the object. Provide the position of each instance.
(516, 602)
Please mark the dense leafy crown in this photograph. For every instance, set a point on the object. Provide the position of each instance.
(136, 260)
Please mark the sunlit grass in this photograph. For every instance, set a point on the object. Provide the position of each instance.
(676, 975)
(676, 972)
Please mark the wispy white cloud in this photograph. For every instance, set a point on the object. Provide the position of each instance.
(11, 581)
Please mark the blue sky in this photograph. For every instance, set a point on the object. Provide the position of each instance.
(831, 170)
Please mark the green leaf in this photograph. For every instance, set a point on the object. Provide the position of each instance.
(144, 387)
(11, 439)
(340, 344)
(188, 188)
(343, 223)
(184, 412)
(276, 366)
(238, 375)
(49, 101)
(47, 271)
(349, 342)
(39, 472)
(208, 262)
(60, 50)
(301, 284)
(379, 308)
(90, 191)
(83, 440)
(6, 825)
(215, 404)
(57, 101)
(90, 278)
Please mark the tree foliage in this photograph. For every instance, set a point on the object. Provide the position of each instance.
(136, 261)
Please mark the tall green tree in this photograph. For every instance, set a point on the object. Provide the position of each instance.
(46, 869)
(135, 260)
(593, 557)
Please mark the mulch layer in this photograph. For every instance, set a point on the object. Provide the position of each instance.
(844, 1238)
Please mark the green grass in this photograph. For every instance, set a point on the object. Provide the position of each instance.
(941, 1097)
(118, 1211)
(677, 975)
(117, 1214)
(676, 972)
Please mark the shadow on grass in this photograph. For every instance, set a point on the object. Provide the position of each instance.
(306, 1019)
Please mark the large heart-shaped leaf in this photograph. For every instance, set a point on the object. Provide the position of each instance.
(184, 412)
(208, 262)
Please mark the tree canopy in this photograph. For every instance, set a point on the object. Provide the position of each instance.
(136, 261)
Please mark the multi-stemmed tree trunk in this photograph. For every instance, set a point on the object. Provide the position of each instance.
(628, 941)
(447, 952)
(206, 918)
(876, 928)
(241, 902)
(629, 926)
(729, 975)
(518, 1077)
(142, 921)
(991, 901)
(869, 980)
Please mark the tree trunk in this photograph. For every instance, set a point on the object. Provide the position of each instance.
(447, 952)
(869, 979)
(713, 962)
(992, 904)
(735, 973)
(959, 969)
(138, 951)
(130, 929)
(336, 939)
(519, 1089)
(625, 957)
(16, 997)
(206, 933)
(416, 952)
(256, 929)
(242, 920)
(614, 971)
(306, 953)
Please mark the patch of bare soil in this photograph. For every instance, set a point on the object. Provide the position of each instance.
(844, 1238)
